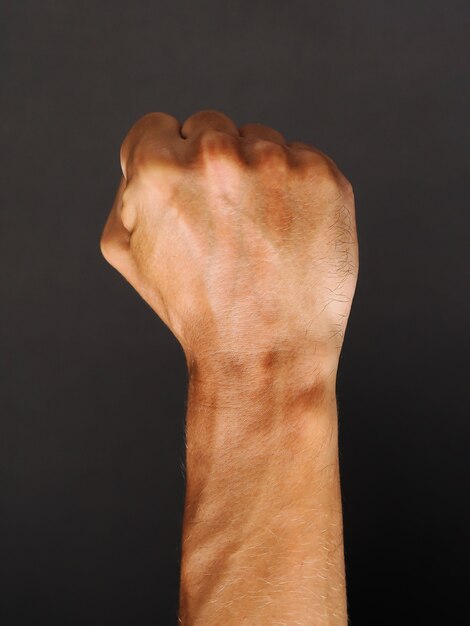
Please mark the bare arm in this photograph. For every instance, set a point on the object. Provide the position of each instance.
(262, 537)
(245, 246)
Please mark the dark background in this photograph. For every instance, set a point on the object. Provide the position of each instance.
(93, 384)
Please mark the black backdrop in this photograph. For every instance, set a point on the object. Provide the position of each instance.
(93, 384)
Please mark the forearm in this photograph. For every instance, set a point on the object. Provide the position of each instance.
(240, 242)
(262, 538)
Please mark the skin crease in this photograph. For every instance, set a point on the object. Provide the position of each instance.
(246, 247)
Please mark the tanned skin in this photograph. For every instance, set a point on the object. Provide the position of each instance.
(245, 246)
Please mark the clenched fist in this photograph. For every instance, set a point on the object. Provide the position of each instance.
(241, 243)
(246, 247)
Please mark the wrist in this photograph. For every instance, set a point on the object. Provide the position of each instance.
(282, 367)
(260, 402)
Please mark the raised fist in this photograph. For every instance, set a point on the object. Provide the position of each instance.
(241, 243)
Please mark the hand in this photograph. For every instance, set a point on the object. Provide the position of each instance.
(240, 242)
(246, 247)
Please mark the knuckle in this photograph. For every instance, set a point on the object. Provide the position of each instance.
(207, 120)
(139, 147)
(323, 167)
(347, 187)
(328, 174)
(262, 131)
(143, 160)
(149, 121)
(157, 117)
(206, 115)
(269, 149)
(215, 144)
(269, 154)
(321, 170)
(215, 139)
